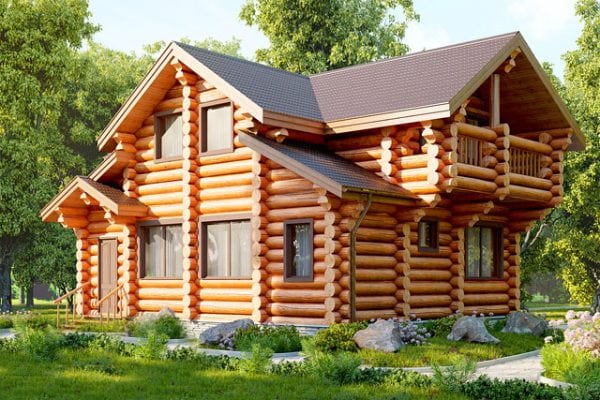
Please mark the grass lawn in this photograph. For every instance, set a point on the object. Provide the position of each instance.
(68, 378)
(444, 352)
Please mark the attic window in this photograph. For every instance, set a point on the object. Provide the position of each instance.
(168, 136)
(216, 127)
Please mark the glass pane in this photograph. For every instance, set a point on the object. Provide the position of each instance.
(487, 252)
(301, 247)
(217, 252)
(241, 248)
(174, 251)
(425, 234)
(473, 252)
(152, 252)
(171, 141)
(218, 127)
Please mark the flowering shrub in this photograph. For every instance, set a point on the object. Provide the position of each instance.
(413, 334)
(583, 332)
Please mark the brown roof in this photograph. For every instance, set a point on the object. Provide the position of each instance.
(323, 167)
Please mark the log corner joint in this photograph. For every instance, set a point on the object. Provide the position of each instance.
(353, 232)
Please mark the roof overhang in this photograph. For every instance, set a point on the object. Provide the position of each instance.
(74, 199)
(111, 166)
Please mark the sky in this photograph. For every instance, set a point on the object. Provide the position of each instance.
(549, 26)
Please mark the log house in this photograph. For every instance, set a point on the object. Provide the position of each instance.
(396, 188)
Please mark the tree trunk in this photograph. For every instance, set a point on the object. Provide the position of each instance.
(21, 295)
(30, 287)
(596, 301)
(5, 286)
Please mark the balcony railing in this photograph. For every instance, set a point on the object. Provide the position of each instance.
(525, 162)
(470, 151)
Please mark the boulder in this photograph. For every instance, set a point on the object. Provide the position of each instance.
(522, 322)
(216, 333)
(383, 335)
(471, 329)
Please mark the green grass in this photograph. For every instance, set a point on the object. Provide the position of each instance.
(444, 352)
(559, 306)
(67, 378)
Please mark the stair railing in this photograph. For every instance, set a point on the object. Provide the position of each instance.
(59, 300)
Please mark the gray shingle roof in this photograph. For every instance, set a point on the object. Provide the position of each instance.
(322, 166)
(416, 80)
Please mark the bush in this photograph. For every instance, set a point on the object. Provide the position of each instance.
(41, 344)
(338, 337)
(76, 340)
(513, 389)
(583, 332)
(279, 339)
(111, 345)
(34, 321)
(441, 327)
(258, 362)
(165, 325)
(452, 377)
(155, 347)
(413, 334)
(290, 368)
(339, 368)
(103, 364)
(409, 378)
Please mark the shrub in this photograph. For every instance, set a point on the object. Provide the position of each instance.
(451, 378)
(155, 347)
(513, 389)
(76, 340)
(409, 378)
(166, 325)
(279, 339)
(339, 368)
(413, 334)
(258, 361)
(583, 332)
(34, 321)
(290, 368)
(441, 327)
(338, 337)
(9, 345)
(111, 345)
(41, 344)
(103, 364)
(6, 322)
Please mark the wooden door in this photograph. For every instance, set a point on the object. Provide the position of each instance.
(108, 274)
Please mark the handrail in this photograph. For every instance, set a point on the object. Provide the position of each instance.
(106, 297)
(64, 296)
(78, 288)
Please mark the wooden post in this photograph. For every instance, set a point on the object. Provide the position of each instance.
(495, 100)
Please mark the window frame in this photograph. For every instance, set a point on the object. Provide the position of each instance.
(498, 248)
(435, 236)
(203, 134)
(159, 130)
(206, 220)
(288, 250)
(141, 228)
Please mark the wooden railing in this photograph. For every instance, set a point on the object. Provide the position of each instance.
(59, 300)
(525, 162)
(109, 295)
(470, 151)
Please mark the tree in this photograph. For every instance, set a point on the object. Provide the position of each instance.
(38, 41)
(568, 240)
(311, 36)
(230, 47)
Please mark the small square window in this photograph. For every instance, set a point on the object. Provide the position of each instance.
(217, 128)
(168, 137)
(428, 236)
(298, 250)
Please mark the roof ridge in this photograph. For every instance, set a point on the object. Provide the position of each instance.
(409, 55)
(255, 63)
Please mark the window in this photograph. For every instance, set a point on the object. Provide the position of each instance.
(428, 236)
(162, 251)
(484, 252)
(217, 127)
(227, 249)
(298, 250)
(168, 138)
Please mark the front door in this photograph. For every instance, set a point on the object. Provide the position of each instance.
(108, 275)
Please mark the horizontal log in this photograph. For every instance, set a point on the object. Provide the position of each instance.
(225, 283)
(529, 145)
(157, 188)
(363, 315)
(530, 181)
(528, 193)
(429, 287)
(225, 307)
(224, 206)
(297, 310)
(278, 282)
(485, 299)
(470, 184)
(485, 287)
(411, 162)
(239, 154)
(440, 300)
(473, 131)
(429, 275)
(160, 283)
(157, 305)
(430, 312)
(429, 263)
(476, 172)
(226, 294)
(226, 168)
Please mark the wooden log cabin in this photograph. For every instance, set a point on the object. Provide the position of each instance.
(391, 189)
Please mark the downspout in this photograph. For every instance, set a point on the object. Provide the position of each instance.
(353, 232)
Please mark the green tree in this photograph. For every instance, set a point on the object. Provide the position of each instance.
(38, 41)
(230, 47)
(311, 36)
(568, 240)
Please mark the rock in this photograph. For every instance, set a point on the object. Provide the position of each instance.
(216, 333)
(471, 329)
(522, 322)
(383, 335)
(153, 316)
(165, 311)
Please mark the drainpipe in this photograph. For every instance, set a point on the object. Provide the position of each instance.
(353, 232)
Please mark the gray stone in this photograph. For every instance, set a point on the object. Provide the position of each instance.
(216, 333)
(522, 322)
(165, 312)
(383, 335)
(471, 329)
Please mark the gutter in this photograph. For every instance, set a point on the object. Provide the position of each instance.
(353, 231)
